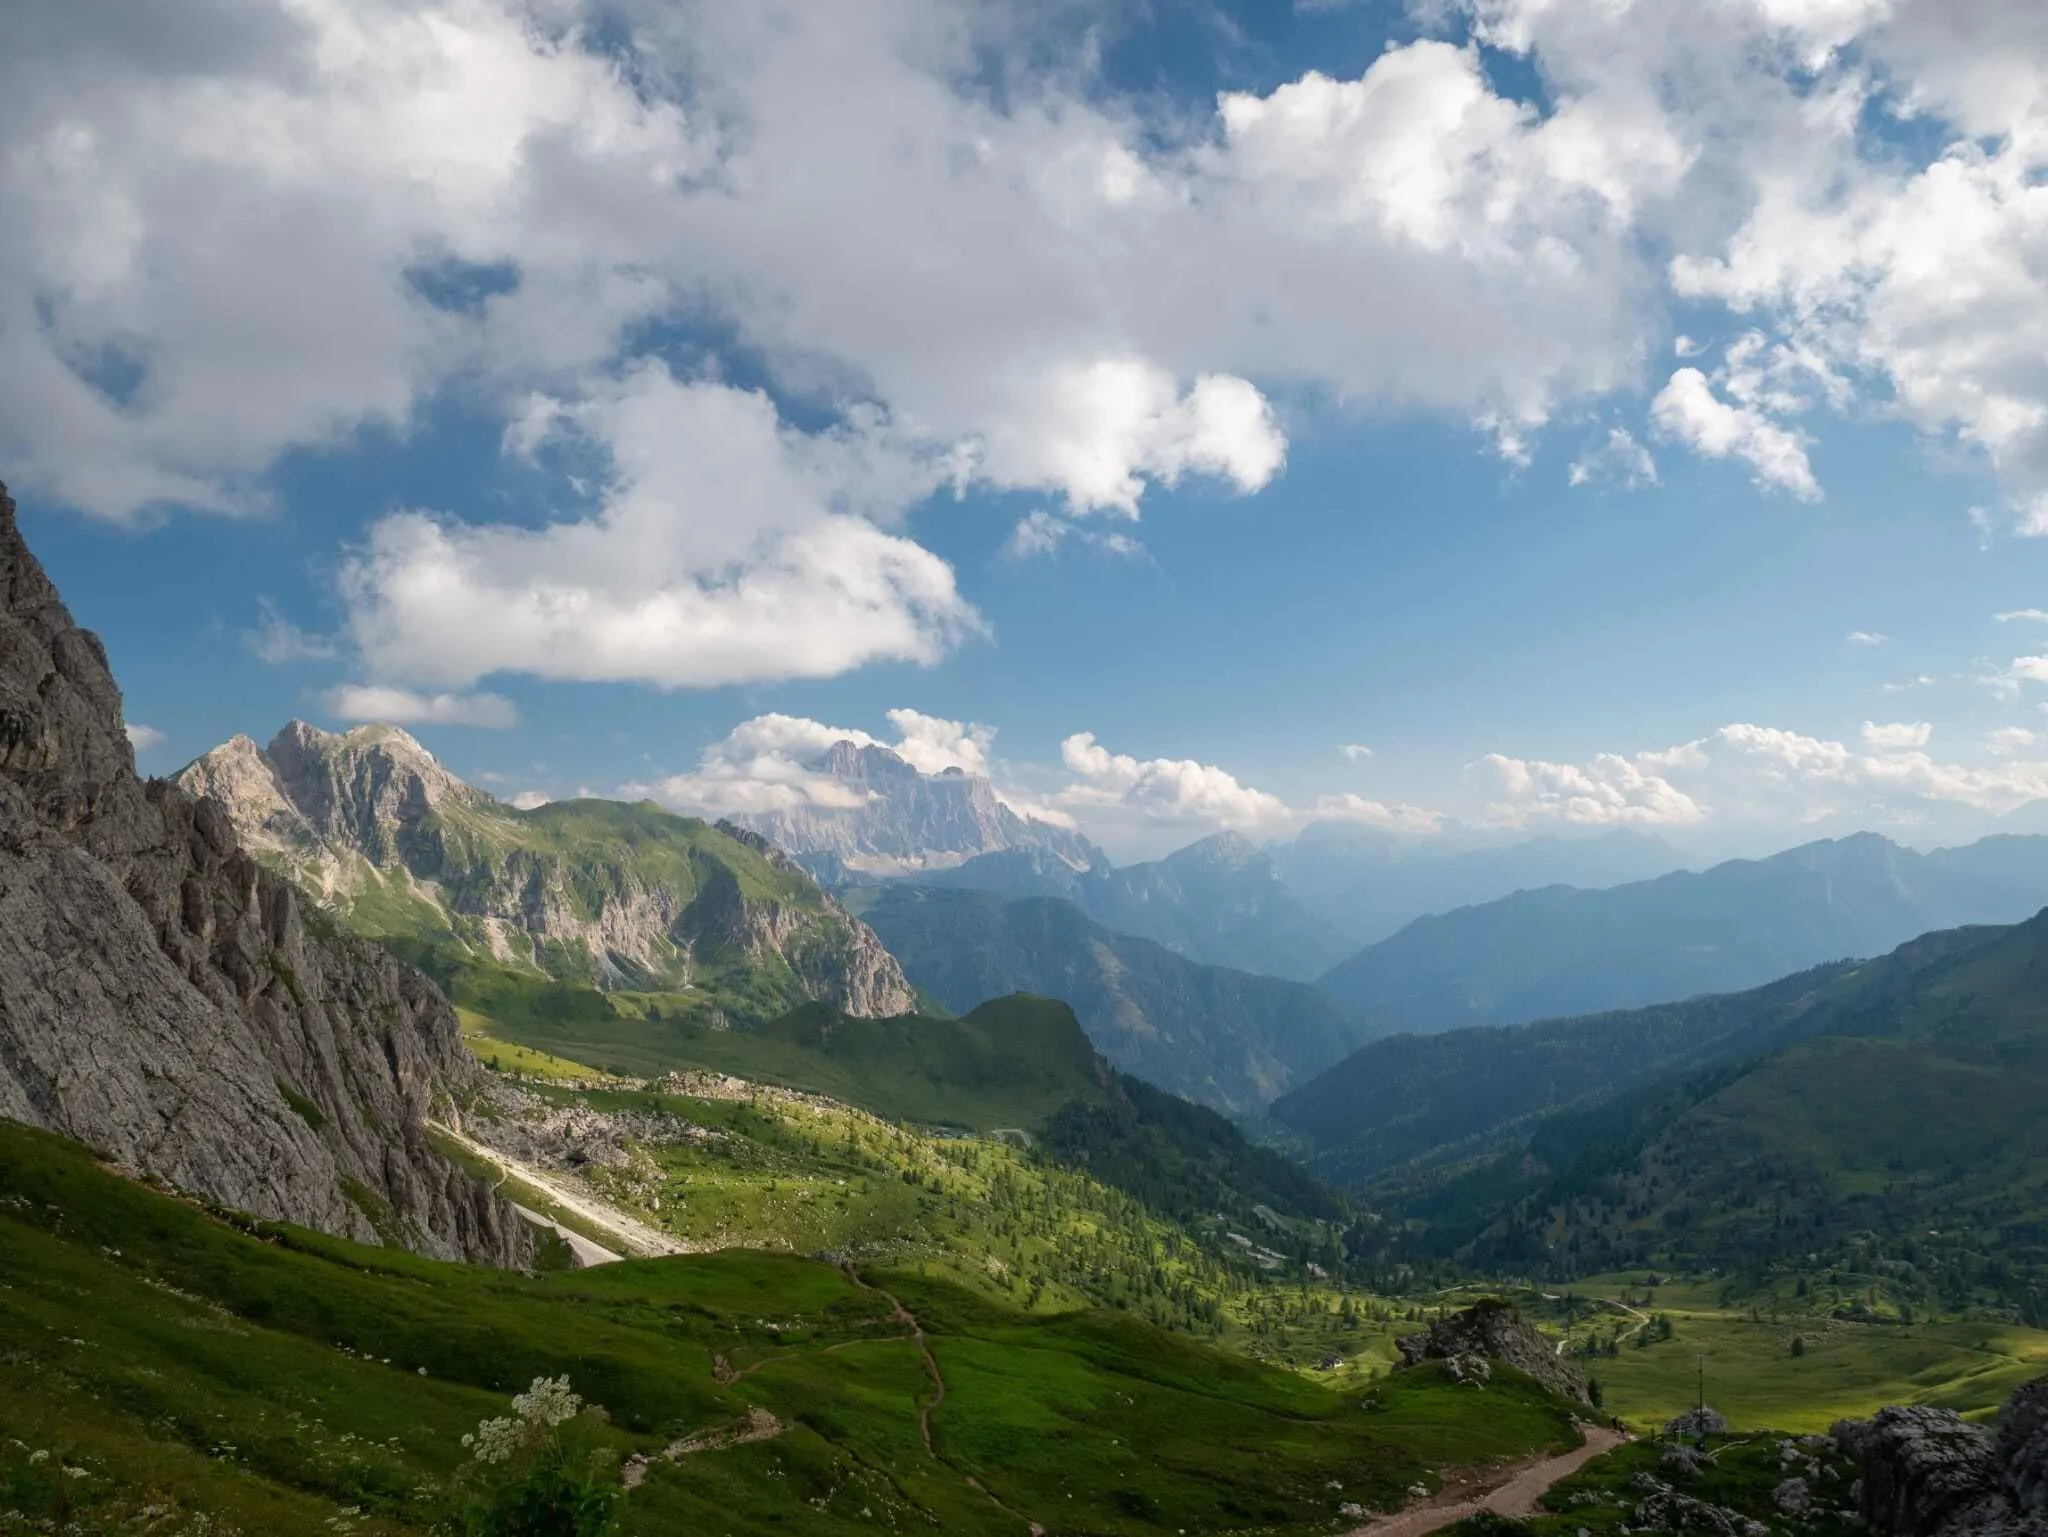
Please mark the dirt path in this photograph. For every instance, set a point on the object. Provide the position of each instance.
(586, 1252)
(1516, 1496)
(909, 1320)
(634, 1236)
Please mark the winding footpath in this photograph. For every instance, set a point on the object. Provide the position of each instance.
(1517, 1496)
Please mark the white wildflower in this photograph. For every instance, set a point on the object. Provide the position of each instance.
(496, 1440)
(548, 1402)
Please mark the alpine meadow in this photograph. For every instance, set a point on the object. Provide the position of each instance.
(1047, 768)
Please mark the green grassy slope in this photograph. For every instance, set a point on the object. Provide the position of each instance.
(1450, 1096)
(1009, 1063)
(1906, 1135)
(277, 1381)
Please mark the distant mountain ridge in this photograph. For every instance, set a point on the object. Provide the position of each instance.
(1561, 951)
(594, 892)
(900, 820)
(1221, 1037)
(1219, 901)
(1887, 1113)
(1371, 884)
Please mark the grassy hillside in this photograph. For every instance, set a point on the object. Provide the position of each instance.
(1463, 1093)
(1220, 1037)
(1902, 1135)
(273, 1380)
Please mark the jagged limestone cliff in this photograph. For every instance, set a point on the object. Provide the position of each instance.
(588, 891)
(168, 1001)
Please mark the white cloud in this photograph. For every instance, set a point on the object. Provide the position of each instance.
(2028, 669)
(1357, 752)
(277, 640)
(1618, 460)
(1864, 638)
(531, 800)
(1060, 289)
(1412, 820)
(727, 548)
(1689, 410)
(1896, 738)
(1756, 776)
(403, 707)
(2011, 741)
(2023, 616)
(143, 738)
(1176, 790)
(1042, 533)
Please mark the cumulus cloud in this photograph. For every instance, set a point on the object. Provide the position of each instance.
(143, 738)
(1898, 737)
(404, 707)
(1357, 752)
(277, 640)
(1753, 775)
(1416, 821)
(2011, 741)
(531, 800)
(1175, 790)
(2023, 616)
(726, 548)
(1688, 409)
(1864, 638)
(1062, 290)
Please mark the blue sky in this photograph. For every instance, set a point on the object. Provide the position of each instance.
(1605, 423)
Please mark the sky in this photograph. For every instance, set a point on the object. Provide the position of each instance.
(1463, 419)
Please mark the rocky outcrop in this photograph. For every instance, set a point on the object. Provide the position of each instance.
(1929, 1473)
(1494, 1331)
(171, 1003)
(897, 820)
(595, 891)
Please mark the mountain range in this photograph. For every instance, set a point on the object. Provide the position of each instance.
(1219, 901)
(586, 892)
(892, 819)
(1562, 951)
(1370, 883)
(1893, 1102)
(1225, 1038)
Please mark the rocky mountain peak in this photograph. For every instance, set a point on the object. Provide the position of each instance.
(1229, 850)
(162, 999)
(907, 820)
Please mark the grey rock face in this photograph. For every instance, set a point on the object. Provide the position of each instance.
(1928, 1473)
(1495, 1331)
(164, 1000)
(372, 811)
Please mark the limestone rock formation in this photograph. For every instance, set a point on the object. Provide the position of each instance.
(169, 1002)
(1496, 1331)
(1929, 1473)
(897, 820)
(597, 892)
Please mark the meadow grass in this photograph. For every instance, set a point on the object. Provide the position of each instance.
(285, 1381)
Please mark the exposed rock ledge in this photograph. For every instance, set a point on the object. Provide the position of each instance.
(165, 1000)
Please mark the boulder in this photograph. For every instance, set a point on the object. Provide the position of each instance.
(1495, 1331)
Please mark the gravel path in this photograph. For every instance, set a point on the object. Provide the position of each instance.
(1517, 1496)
